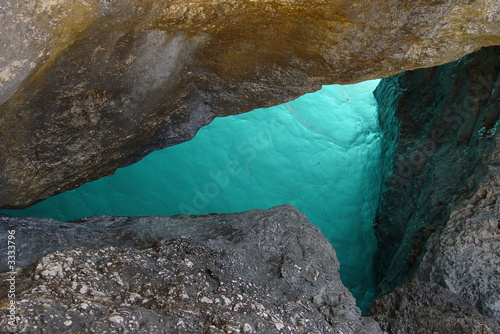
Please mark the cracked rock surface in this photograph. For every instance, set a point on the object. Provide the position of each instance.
(261, 271)
(425, 307)
(464, 256)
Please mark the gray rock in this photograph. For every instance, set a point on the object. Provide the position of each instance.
(424, 307)
(439, 126)
(89, 86)
(261, 271)
(464, 256)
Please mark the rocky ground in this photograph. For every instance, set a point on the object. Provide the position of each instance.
(261, 271)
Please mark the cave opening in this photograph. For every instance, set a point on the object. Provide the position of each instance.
(320, 153)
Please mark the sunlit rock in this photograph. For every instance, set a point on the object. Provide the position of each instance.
(89, 86)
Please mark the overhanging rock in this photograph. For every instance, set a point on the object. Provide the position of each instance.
(87, 87)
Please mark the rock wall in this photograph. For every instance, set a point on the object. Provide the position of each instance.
(447, 118)
(260, 271)
(464, 255)
(424, 307)
(89, 86)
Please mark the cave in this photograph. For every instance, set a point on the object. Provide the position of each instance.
(238, 167)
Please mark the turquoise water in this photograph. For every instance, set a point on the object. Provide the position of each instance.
(320, 153)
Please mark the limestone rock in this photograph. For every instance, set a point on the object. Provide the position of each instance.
(464, 256)
(424, 307)
(89, 86)
(439, 126)
(261, 271)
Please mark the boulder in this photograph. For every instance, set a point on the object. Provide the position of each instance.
(260, 271)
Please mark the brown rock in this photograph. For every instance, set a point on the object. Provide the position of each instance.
(87, 87)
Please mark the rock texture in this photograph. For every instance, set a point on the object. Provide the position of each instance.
(464, 256)
(424, 307)
(261, 271)
(89, 86)
(447, 118)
